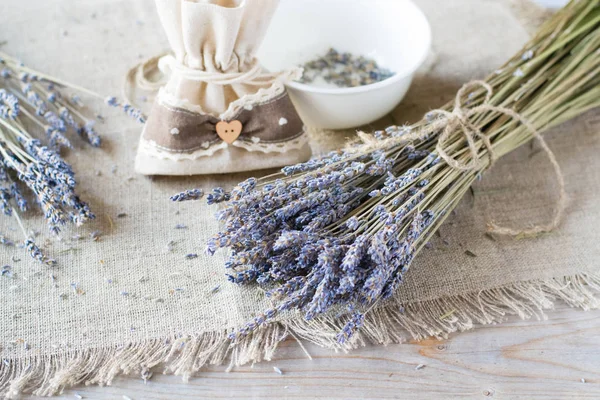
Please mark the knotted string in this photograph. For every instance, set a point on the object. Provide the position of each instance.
(458, 120)
(169, 64)
(166, 64)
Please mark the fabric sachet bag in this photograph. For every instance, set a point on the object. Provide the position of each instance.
(219, 111)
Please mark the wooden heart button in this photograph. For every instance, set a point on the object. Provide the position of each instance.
(229, 131)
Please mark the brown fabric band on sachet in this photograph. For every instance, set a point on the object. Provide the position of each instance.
(180, 131)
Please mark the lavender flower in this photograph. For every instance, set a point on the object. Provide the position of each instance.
(192, 194)
(90, 134)
(356, 321)
(6, 271)
(57, 139)
(34, 99)
(36, 253)
(69, 120)
(9, 105)
(218, 195)
(52, 97)
(5, 206)
(127, 108)
(353, 223)
(111, 101)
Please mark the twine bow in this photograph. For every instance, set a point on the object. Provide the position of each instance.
(459, 119)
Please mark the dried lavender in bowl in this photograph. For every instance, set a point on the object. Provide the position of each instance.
(343, 70)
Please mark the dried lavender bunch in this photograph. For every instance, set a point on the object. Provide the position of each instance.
(36, 118)
(341, 231)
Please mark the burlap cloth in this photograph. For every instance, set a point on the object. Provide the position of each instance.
(124, 303)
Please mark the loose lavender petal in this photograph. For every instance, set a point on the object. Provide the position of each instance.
(36, 253)
(5, 207)
(20, 200)
(356, 321)
(9, 105)
(91, 135)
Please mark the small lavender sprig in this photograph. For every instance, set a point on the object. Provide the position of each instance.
(130, 110)
(30, 99)
(36, 253)
(218, 195)
(356, 321)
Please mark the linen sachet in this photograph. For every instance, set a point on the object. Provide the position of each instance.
(219, 111)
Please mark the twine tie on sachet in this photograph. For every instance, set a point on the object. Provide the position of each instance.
(459, 119)
(166, 64)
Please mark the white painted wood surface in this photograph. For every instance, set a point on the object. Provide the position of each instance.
(515, 360)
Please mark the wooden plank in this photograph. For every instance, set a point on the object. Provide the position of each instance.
(514, 360)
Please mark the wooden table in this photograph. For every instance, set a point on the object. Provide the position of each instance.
(553, 359)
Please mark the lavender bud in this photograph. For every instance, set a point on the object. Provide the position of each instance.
(192, 194)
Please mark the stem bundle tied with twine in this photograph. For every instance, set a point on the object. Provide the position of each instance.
(339, 232)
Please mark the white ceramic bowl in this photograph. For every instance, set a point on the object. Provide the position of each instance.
(393, 32)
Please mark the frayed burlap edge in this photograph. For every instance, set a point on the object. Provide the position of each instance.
(392, 323)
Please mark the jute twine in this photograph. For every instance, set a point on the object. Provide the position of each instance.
(166, 64)
(458, 119)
